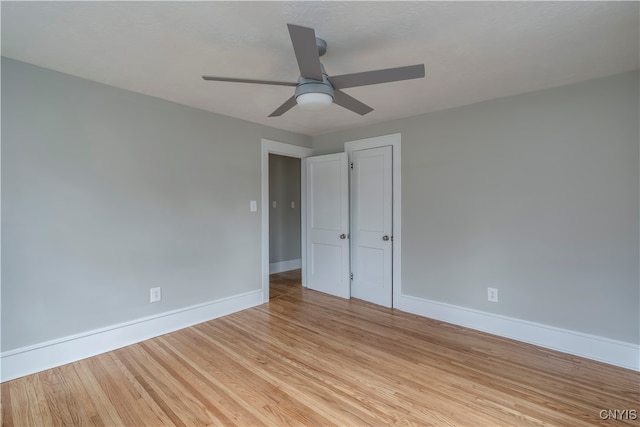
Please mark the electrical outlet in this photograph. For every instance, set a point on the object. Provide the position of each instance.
(293, 205)
(492, 294)
(156, 295)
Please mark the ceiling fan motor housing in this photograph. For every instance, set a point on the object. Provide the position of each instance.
(322, 47)
(314, 86)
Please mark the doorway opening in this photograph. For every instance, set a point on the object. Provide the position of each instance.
(274, 156)
(285, 224)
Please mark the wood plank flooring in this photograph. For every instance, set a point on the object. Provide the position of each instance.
(310, 359)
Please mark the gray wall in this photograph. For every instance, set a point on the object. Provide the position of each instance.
(107, 193)
(535, 194)
(284, 221)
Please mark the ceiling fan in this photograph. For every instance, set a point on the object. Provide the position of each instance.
(314, 88)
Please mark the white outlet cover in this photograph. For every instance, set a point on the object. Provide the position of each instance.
(492, 294)
(253, 205)
(155, 294)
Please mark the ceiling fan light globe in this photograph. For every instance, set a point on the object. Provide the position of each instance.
(314, 100)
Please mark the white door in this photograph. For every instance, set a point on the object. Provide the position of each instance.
(327, 182)
(372, 222)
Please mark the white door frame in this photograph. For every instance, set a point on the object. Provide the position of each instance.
(280, 148)
(394, 140)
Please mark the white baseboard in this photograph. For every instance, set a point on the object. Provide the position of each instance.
(28, 360)
(605, 350)
(279, 267)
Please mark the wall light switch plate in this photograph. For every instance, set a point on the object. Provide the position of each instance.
(253, 205)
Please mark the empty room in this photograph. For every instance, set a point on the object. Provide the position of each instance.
(320, 213)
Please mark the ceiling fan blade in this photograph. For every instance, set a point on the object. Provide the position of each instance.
(288, 104)
(306, 50)
(350, 103)
(378, 76)
(262, 82)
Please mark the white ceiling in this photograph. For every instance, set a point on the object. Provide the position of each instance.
(472, 51)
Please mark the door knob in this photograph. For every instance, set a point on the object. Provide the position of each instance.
(343, 236)
(385, 238)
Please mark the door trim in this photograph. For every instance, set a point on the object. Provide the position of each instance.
(274, 147)
(393, 140)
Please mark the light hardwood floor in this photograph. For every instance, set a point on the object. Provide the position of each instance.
(310, 359)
